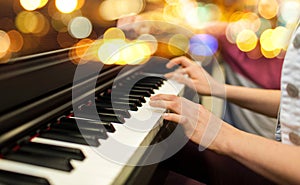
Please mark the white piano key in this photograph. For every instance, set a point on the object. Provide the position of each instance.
(105, 164)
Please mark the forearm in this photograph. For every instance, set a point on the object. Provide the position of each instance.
(259, 100)
(269, 158)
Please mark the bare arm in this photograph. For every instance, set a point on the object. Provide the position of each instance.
(269, 158)
(259, 100)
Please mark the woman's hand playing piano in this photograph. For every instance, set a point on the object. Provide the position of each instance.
(193, 75)
(200, 125)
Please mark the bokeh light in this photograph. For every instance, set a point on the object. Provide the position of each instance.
(150, 40)
(134, 53)
(5, 43)
(257, 27)
(109, 51)
(289, 11)
(66, 6)
(80, 27)
(178, 44)
(114, 33)
(121, 8)
(30, 4)
(79, 53)
(32, 22)
(203, 45)
(268, 8)
(246, 40)
(16, 39)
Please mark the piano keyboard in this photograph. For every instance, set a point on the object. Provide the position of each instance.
(60, 153)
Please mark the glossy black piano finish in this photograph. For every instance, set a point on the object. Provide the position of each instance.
(36, 100)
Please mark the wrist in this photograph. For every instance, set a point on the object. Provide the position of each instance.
(218, 90)
(224, 142)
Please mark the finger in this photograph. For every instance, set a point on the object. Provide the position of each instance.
(177, 71)
(183, 61)
(181, 70)
(174, 117)
(160, 104)
(169, 75)
(180, 78)
(166, 97)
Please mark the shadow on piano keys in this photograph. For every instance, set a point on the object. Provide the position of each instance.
(40, 141)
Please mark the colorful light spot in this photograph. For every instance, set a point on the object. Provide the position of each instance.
(203, 45)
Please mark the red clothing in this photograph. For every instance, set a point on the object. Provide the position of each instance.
(263, 72)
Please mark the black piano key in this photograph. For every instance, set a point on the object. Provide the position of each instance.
(122, 94)
(48, 161)
(105, 117)
(82, 123)
(90, 124)
(69, 138)
(136, 101)
(148, 84)
(13, 178)
(149, 89)
(111, 110)
(109, 127)
(60, 151)
(74, 133)
(118, 105)
(122, 104)
(140, 92)
(153, 79)
(122, 112)
(74, 130)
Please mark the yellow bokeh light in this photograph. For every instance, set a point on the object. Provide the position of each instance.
(268, 8)
(66, 6)
(26, 22)
(114, 33)
(80, 4)
(150, 40)
(270, 54)
(268, 48)
(253, 20)
(43, 3)
(280, 37)
(233, 29)
(172, 2)
(109, 51)
(266, 41)
(135, 53)
(246, 40)
(30, 4)
(121, 8)
(178, 44)
(5, 42)
(32, 22)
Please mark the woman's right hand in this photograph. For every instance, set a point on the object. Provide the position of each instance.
(194, 76)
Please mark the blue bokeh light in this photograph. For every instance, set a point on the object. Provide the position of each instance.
(203, 45)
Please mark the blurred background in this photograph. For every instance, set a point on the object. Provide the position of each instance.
(260, 28)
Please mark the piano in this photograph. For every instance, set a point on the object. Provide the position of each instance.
(91, 124)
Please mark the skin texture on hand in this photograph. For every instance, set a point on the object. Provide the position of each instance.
(194, 76)
(199, 124)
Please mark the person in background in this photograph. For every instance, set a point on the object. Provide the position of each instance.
(232, 156)
(240, 69)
